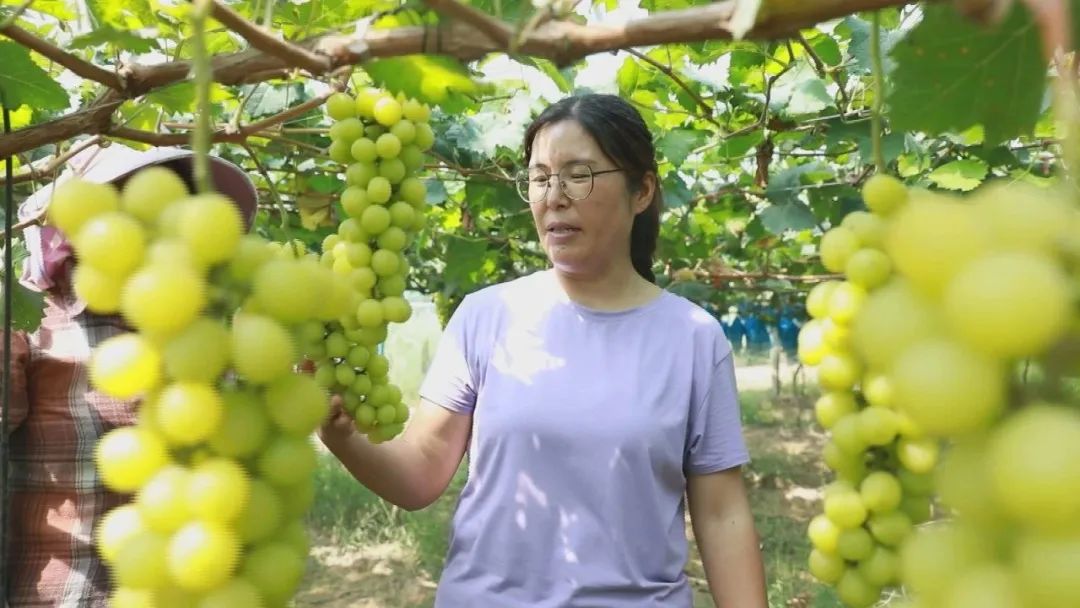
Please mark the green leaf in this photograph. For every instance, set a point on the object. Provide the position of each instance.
(56, 8)
(23, 82)
(859, 47)
(120, 39)
(26, 308)
(952, 74)
(965, 174)
(809, 97)
(778, 219)
(858, 132)
(270, 100)
(827, 49)
(436, 79)
(436, 191)
(677, 144)
(676, 194)
(490, 194)
(559, 77)
(784, 187)
(464, 256)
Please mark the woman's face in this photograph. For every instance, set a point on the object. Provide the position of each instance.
(586, 237)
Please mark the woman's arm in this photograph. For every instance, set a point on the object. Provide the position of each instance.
(724, 528)
(411, 470)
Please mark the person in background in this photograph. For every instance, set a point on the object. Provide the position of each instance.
(56, 417)
(594, 406)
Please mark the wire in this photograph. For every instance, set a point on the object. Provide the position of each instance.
(5, 406)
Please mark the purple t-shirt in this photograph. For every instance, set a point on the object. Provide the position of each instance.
(585, 425)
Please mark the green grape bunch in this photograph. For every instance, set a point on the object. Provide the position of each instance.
(381, 140)
(949, 398)
(220, 461)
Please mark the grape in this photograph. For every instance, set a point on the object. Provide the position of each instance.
(199, 353)
(1034, 463)
(845, 301)
(237, 593)
(275, 569)
(217, 490)
(826, 567)
(932, 238)
(404, 131)
(983, 302)
(416, 111)
(286, 459)
(162, 500)
(393, 239)
(141, 561)
(162, 299)
(354, 200)
(891, 320)
(868, 268)
(127, 457)
(263, 515)
(361, 174)
(340, 106)
(413, 158)
(837, 246)
(100, 291)
(347, 130)
(393, 285)
(396, 309)
(116, 528)
(203, 555)
(425, 137)
(188, 412)
(283, 289)
(1020, 217)
(340, 151)
(881, 492)
(388, 146)
(402, 215)
(261, 348)
(838, 371)
(125, 365)
(817, 300)
(112, 243)
(77, 200)
(378, 190)
(370, 313)
(884, 194)
(393, 170)
(832, 406)
(947, 388)
(365, 101)
(296, 404)
(385, 262)
(364, 151)
(868, 228)
(412, 191)
(147, 192)
(244, 426)
(387, 111)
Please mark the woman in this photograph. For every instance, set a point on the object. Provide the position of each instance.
(589, 399)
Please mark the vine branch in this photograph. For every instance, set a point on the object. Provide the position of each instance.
(266, 42)
(499, 32)
(561, 41)
(701, 103)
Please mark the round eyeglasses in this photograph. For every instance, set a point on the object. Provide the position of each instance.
(576, 182)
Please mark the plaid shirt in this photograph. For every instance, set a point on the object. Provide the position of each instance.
(57, 497)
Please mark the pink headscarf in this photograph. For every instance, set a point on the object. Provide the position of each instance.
(51, 254)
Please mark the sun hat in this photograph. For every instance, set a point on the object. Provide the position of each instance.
(49, 249)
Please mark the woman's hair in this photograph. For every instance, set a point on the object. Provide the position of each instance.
(623, 136)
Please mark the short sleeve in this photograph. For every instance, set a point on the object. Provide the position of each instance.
(715, 440)
(450, 380)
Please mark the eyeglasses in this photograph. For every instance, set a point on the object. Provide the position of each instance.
(576, 181)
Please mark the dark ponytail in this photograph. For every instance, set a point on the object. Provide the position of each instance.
(622, 135)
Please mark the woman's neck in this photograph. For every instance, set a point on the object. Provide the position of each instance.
(616, 289)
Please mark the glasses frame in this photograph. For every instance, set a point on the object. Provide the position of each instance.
(522, 183)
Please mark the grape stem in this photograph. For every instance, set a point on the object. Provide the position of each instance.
(879, 90)
(203, 75)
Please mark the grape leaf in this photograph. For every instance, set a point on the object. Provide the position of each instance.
(464, 256)
(491, 194)
(677, 144)
(23, 82)
(794, 215)
(26, 308)
(121, 39)
(952, 74)
(859, 46)
(435, 79)
(965, 174)
(783, 188)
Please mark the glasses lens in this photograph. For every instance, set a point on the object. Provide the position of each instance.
(577, 181)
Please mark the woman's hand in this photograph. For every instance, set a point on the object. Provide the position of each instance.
(338, 426)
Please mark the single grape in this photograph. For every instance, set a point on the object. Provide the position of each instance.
(388, 146)
(125, 366)
(387, 111)
(340, 106)
(77, 200)
(126, 457)
(884, 194)
(114, 243)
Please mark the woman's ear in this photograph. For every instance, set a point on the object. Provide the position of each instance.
(641, 199)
